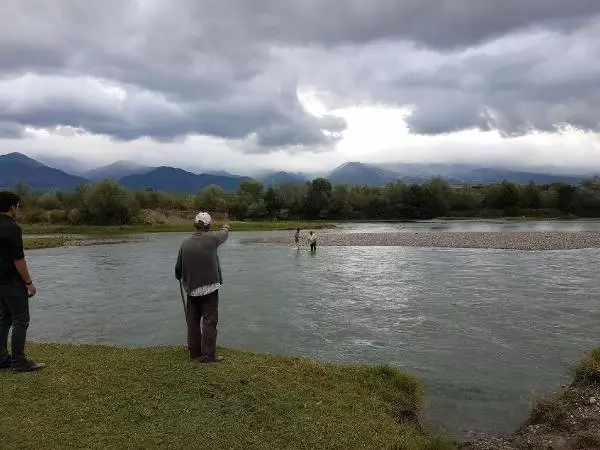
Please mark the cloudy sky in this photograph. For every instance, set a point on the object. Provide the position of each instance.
(302, 85)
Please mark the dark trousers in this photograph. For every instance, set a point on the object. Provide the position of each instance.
(313, 247)
(14, 313)
(202, 319)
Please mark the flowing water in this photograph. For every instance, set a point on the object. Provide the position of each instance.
(485, 330)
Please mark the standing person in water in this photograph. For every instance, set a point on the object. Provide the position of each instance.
(312, 240)
(199, 271)
(297, 238)
(16, 288)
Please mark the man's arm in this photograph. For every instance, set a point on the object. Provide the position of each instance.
(222, 234)
(178, 266)
(18, 256)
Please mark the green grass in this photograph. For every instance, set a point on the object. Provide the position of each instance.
(43, 242)
(178, 227)
(108, 397)
(588, 370)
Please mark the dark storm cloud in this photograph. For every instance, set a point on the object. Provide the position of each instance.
(11, 130)
(437, 23)
(215, 68)
(518, 84)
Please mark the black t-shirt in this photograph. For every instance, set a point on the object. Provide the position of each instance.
(11, 249)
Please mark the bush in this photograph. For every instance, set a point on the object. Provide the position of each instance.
(58, 216)
(34, 215)
(588, 370)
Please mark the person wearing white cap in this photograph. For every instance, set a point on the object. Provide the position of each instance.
(199, 272)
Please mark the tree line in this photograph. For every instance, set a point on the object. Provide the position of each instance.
(108, 203)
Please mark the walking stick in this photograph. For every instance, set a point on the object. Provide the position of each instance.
(183, 299)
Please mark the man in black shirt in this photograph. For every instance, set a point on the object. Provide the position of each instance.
(16, 288)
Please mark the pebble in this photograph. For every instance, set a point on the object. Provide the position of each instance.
(530, 241)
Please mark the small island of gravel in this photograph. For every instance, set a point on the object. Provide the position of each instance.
(541, 240)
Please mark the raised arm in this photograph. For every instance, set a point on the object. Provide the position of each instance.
(222, 234)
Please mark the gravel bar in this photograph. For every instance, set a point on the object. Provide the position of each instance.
(495, 240)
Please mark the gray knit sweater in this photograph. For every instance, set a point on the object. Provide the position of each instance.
(198, 262)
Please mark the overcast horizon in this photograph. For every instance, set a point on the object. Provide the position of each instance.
(302, 86)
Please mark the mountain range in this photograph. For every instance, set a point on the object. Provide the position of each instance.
(16, 167)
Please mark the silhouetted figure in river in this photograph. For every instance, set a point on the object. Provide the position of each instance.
(312, 240)
(297, 238)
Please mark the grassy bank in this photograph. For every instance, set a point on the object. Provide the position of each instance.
(106, 397)
(43, 242)
(39, 243)
(160, 228)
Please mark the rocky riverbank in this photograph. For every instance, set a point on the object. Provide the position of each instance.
(493, 240)
(567, 420)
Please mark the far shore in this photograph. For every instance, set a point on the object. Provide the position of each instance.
(39, 243)
(177, 227)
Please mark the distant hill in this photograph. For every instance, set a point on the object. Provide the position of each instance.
(279, 178)
(17, 168)
(488, 176)
(117, 170)
(357, 173)
(220, 173)
(178, 180)
(66, 164)
(372, 175)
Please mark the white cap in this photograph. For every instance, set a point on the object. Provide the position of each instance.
(203, 217)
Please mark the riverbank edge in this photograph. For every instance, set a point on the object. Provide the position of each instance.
(316, 404)
(36, 228)
(569, 419)
(47, 242)
(61, 229)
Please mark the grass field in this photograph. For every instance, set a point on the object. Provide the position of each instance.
(178, 227)
(108, 397)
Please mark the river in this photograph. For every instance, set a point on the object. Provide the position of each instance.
(484, 330)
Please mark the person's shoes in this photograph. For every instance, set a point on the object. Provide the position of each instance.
(5, 361)
(26, 365)
(216, 360)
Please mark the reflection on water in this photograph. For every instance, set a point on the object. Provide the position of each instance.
(483, 329)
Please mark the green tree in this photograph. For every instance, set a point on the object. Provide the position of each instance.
(211, 198)
(419, 203)
(533, 196)
(293, 199)
(318, 198)
(251, 189)
(395, 194)
(340, 207)
(464, 199)
(441, 190)
(107, 203)
(565, 196)
(273, 203)
(505, 196)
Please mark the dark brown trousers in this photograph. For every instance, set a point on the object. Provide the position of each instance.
(202, 319)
